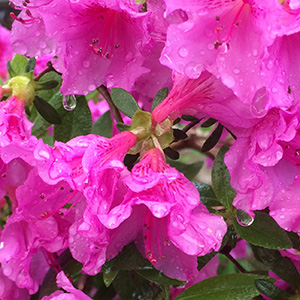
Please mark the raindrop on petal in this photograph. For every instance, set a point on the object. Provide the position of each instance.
(69, 102)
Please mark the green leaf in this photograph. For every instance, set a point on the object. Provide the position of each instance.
(283, 267)
(108, 277)
(30, 64)
(159, 97)
(18, 64)
(188, 118)
(51, 76)
(75, 123)
(128, 259)
(40, 124)
(224, 287)
(295, 239)
(265, 232)
(208, 123)
(103, 126)
(171, 153)
(129, 285)
(213, 139)
(270, 290)
(123, 127)
(221, 180)
(156, 276)
(46, 85)
(205, 259)
(207, 195)
(189, 171)
(124, 101)
(47, 111)
(10, 70)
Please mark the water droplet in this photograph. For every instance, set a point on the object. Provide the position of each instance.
(228, 80)
(270, 65)
(183, 52)
(19, 47)
(69, 102)
(42, 44)
(274, 90)
(1, 245)
(91, 87)
(129, 56)
(7, 270)
(236, 71)
(193, 70)
(103, 190)
(254, 52)
(86, 63)
(243, 218)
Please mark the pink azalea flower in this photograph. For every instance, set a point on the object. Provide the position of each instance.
(40, 222)
(283, 208)
(9, 290)
(95, 42)
(164, 212)
(280, 73)
(14, 125)
(202, 97)
(71, 292)
(234, 37)
(264, 160)
(208, 271)
(16, 146)
(5, 52)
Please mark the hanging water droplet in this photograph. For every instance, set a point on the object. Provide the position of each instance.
(243, 218)
(69, 102)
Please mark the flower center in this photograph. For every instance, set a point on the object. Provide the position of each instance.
(106, 43)
(152, 231)
(67, 202)
(224, 37)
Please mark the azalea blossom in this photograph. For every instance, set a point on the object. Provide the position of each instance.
(95, 42)
(230, 40)
(5, 52)
(165, 215)
(71, 292)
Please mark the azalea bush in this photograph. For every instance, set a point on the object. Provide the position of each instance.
(150, 150)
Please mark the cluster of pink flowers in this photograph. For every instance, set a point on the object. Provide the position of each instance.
(236, 61)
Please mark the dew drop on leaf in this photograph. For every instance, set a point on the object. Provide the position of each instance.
(69, 102)
(243, 218)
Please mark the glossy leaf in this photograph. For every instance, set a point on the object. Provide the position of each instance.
(224, 287)
(188, 170)
(30, 64)
(124, 101)
(108, 277)
(221, 179)
(103, 126)
(18, 64)
(264, 232)
(213, 139)
(128, 259)
(270, 290)
(207, 195)
(75, 123)
(160, 96)
(47, 111)
(123, 127)
(156, 276)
